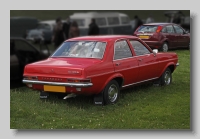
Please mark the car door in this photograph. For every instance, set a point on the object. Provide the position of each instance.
(148, 67)
(124, 62)
(171, 36)
(182, 38)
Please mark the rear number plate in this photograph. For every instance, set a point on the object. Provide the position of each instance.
(144, 37)
(60, 89)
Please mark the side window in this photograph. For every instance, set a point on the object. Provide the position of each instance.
(101, 21)
(113, 20)
(122, 50)
(139, 48)
(178, 29)
(170, 29)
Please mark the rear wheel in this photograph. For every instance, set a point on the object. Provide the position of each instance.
(166, 77)
(164, 47)
(111, 92)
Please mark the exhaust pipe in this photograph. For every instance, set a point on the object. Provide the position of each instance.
(69, 96)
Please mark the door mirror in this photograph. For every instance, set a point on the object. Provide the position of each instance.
(155, 51)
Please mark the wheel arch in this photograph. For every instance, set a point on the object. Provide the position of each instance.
(170, 65)
(118, 77)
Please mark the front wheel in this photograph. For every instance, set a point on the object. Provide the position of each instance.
(164, 47)
(111, 92)
(166, 77)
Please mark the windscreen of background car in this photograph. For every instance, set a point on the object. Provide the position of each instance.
(147, 29)
(81, 49)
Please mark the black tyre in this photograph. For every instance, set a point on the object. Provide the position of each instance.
(164, 47)
(111, 92)
(166, 77)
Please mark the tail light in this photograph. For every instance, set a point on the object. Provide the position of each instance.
(30, 78)
(79, 80)
(159, 28)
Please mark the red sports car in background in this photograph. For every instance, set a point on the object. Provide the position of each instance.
(100, 66)
(163, 36)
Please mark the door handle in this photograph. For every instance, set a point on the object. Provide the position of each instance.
(117, 64)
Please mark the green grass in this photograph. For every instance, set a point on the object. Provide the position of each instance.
(141, 107)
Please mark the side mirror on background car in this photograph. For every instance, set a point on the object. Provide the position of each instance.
(155, 51)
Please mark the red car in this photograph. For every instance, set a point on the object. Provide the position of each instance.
(163, 36)
(100, 66)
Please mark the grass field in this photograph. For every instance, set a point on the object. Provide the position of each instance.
(142, 107)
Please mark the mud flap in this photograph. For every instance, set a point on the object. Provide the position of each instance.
(98, 99)
(44, 95)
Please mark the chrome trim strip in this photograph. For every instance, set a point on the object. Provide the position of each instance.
(57, 83)
(139, 82)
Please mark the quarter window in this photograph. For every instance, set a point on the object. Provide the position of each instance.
(164, 30)
(139, 48)
(122, 50)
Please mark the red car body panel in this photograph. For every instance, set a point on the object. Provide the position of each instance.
(100, 72)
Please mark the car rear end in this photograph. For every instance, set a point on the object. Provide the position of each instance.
(66, 70)
(151, 34)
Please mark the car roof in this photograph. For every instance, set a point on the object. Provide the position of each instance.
(159, 24)
(96, 14)
(103, 37)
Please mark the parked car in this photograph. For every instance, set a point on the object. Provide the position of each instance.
(42, 33)
(100, 66)
(163, 36)
(21, 53)
(108, 22)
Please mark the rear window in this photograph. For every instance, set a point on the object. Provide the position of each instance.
(146, 29)
(81, 49)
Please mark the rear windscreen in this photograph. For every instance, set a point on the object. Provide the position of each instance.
(146, 29)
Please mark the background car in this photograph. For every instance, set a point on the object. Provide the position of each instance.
(42, 33)
(163, 36)
(21, 53)
(99, 66)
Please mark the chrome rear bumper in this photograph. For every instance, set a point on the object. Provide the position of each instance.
(57, 83)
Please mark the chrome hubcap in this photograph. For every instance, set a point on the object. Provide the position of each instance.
(112, 93)
(165, 48)
(167, 78)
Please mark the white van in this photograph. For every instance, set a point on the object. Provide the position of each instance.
(108, 22)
